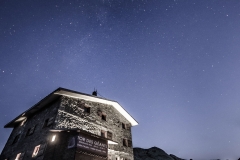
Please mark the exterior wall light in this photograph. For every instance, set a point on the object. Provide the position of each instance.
(53, 138)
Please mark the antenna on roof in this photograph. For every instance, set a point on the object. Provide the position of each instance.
(94, 93)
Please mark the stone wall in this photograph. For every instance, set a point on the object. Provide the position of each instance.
(72, 115)
(26, 143)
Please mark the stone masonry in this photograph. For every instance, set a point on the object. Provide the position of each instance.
(67, 114)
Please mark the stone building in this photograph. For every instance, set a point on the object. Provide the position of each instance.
(69, 125)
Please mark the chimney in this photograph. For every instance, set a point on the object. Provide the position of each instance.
(94, 93)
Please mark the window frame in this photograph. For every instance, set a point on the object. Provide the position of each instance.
(104, 117)
(125, 142)
(36, 150)
(31, 130)
(87, 109)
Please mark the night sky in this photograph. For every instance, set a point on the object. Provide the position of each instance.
(172, 64)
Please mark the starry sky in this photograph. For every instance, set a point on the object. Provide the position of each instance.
(172, 64)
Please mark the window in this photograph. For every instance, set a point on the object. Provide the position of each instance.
(129, 143)
(35, 151)
(30, 131)
(86, 109)
(103, 133)
(123, 126)
(45, 123)
(99, 113)
(127, 126)
(125, 142)
(48, 122)
(23, 122)
(16, 139)
(19, 156)
(41, 149)
(109, 135)
(104, 117)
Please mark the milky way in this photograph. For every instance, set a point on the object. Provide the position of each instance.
(173, 65)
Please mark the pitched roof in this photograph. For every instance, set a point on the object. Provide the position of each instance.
(69, 93)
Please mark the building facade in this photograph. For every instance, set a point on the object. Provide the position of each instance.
(69, 125)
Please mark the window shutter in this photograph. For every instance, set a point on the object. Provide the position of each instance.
(41, 150)
(50, 121)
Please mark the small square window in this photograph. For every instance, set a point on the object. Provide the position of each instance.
(104, 117)
(86, 109)
(35, 151)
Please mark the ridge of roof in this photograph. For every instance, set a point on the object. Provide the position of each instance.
(67, 92)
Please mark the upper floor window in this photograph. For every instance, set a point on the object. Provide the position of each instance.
(129, 143)
(23, 122)
(48, 122)
(86, 109)
(35, 151)
(19, 156)
(125, 142)
(104, 117)
(123, 126)
(31, 131)
(38, 150)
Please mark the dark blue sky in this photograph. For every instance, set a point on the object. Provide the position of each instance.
(172, 64)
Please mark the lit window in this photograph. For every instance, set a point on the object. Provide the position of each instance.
(23, 122)
(35, 151)
(19, 156)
